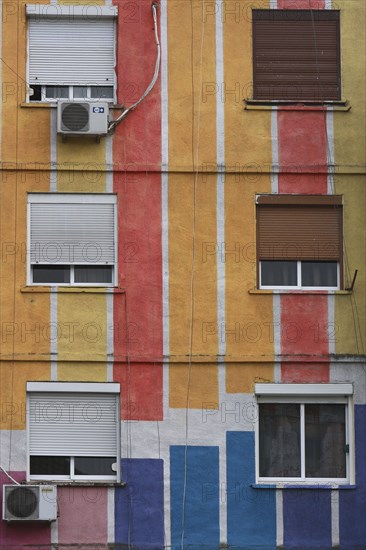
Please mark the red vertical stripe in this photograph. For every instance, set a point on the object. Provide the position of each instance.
(136, 147)
(300, 4)
(302, 152)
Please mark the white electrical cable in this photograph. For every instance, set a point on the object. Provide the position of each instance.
(123, 115)
(9, 476)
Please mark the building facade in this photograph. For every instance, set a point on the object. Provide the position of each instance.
(198, 274)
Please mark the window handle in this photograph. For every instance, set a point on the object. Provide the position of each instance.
(346, 448)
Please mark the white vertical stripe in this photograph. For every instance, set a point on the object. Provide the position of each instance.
(110, 515)
(1, 77)
(331, 327)
(277, 335)
(335, 517)
(109, 164)
(165, 260)
(110, 336)
(273, 4)
(274, 141)
(165, 248)
(279, 517)
(54, 294)
(109, 297)
(164, 83)
(328, 4)
(220, 239)
(165, 180)
(330, 149)
(53, 150)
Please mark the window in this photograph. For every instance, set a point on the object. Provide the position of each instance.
(72, 239)
(71, 52)
(296, 55)
(73, 431)
(299, 241)
(305, 433)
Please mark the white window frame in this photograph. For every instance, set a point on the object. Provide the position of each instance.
(50, 11)
(303, 394)
(75, 387)
(72, 198)
(70, 96)
(298, 286)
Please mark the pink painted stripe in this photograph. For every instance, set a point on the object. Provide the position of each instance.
(83, 515)
(302, 153)
(137, 142)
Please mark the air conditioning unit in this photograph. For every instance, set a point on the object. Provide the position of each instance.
(29, 502)
(84, 117)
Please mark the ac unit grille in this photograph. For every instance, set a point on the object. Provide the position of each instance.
(75, 117)
(21, 502)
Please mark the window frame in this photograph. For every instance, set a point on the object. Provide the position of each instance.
(72, 198)
(299, 286)
(332, 393)
(299, 200)
(50, 12)
(270, 14)
(68, 388)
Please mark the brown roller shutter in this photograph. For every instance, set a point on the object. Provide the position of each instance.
(302, 232)
(296, 55)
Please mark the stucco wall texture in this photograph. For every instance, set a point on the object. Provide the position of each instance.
(185, 332)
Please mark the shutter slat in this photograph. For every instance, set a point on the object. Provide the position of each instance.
(296, 56)
(63, 424)
(64, 233)
(66, 52)
(299, 232)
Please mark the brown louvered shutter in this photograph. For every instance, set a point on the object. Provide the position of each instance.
(296, 55)
(302, 231)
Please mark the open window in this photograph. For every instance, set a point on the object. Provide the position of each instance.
(305, 433)
(299, 242)
(296, 55)
(72, 239)
(73, 431)
(71, 52)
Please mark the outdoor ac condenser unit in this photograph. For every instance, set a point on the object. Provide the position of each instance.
(83, 117)
(29, 502)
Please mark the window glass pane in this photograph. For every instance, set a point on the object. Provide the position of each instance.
(319, 273)
(37, 93)
(80, 92)
(51, 274)
(101, 92)
(325, 439)
(279, 440)
(93, 274)
(279, 273)
(50, 465)
(94, 466)
(57, 92)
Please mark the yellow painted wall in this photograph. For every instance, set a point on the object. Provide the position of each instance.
(350, 311)
(193, 386)
(13, 379)
(191, 63)
(349, 128)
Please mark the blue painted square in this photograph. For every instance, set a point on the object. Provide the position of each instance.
(251, 513)
(139, 507)
(307, 519)
(194, 494)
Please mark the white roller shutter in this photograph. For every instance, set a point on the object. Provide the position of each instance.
(72, 233)
(72, 51)
(73, 424)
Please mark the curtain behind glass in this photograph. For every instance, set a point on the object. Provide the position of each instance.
(279, 440)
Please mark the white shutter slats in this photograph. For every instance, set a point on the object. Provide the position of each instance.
(71, 52)
(64, 233)
(62, 424)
